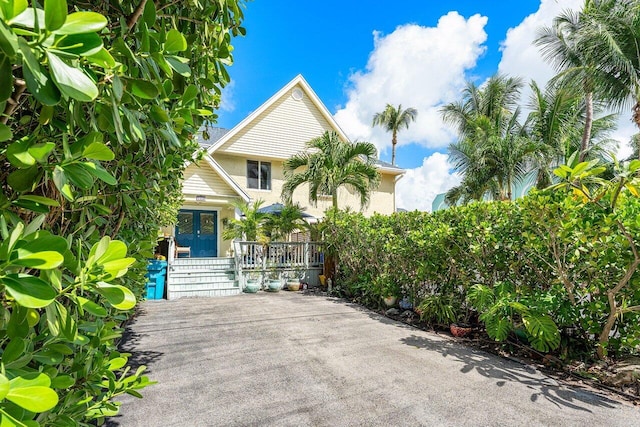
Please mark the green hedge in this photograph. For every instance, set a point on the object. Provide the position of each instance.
(539, 268)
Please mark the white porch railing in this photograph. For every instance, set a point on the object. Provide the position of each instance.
(300, 260)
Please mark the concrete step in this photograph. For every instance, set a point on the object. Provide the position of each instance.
(202, 262)
(202, 286)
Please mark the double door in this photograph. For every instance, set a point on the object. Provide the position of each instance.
(199, 231)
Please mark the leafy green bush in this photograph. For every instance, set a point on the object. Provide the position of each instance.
(561, 260)
(99, 102)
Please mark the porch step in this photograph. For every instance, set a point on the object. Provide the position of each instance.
(176, 293)
(198, 263)
(202, 277)
(213, 277)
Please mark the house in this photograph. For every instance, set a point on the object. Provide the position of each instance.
(246, 163)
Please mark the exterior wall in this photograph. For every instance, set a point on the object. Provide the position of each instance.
(280, 131)
(202, 180)
(382, 200)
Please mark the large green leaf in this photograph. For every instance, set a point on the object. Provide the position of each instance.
(24, 179)
(103, 59)
(78, 175)
(6, 81)
(18, 154)
(29, 291)
(61, 183)
(180, 65)
(72, 81)
(4, 386)
(98, 151)
(40, 152)
(143, 89)
(118, 296)
(92, 307)
(99, 172)
(28, 18)
(9, 9)
(114, 250)
(5, 131)
(83, 22)
(81, 44)
(33, 398)
(175, 42)
(55, 13)
(44, 260)
(38, 80)
(8, 41)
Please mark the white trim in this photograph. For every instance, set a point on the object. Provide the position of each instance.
(297, 80)
(226, 178)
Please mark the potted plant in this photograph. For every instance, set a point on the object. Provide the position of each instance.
(388, 288)
(252, 283)
(273, 280)
(294, 278)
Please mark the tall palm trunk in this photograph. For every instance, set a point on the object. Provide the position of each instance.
(636, 120)
(394, 141)
(588, 124)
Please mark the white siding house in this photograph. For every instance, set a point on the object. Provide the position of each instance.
(246, 163)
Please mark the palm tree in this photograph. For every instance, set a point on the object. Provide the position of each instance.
(612, 39)
(279, 226)
(330, 163)
(597, 49)
(250, 226)
(492, 151)
(392, 120)
(554, 123)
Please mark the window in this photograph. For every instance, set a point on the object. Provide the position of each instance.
(258, 175)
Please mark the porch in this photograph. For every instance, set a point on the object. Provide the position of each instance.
(225, 276)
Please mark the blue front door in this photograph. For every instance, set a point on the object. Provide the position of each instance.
(199, 231)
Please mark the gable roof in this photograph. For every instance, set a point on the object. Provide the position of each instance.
(298, 80)
(226, 178)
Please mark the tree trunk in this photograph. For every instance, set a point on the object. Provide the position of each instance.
(334, 198)
(588, 123)
(636, 120)
(394, 141)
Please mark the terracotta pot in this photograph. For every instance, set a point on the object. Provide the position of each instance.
(459, 330)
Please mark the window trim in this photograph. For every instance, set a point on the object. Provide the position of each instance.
(259, 164)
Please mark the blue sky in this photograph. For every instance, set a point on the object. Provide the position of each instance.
(359, 55)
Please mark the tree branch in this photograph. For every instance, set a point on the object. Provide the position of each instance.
(133, 19)
(14, 101)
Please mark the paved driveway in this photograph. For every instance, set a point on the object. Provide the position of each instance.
(288, 359)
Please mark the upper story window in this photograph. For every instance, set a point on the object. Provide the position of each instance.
(258, 175)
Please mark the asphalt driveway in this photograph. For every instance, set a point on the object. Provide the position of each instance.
(287, 359)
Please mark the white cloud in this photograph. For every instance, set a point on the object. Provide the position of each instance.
(416, 66)
(419, 186)
(227, 103)
(520, 56)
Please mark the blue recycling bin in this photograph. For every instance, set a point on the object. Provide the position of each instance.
(156, 272)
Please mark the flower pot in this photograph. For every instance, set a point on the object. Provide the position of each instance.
(459, 330)
(274, 285)
(390, 301)
(293, 286)
(252, 286)
(405, 304)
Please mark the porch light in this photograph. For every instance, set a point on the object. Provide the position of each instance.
(201, 198)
